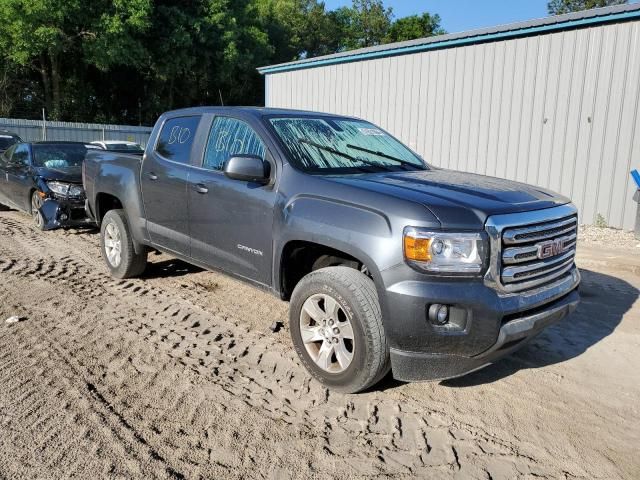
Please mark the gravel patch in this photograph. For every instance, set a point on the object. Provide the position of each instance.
(600, 235)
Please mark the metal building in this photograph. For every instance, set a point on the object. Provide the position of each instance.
(552, 102)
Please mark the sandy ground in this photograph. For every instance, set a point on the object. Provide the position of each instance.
(178, 376)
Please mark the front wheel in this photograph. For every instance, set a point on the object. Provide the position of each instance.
(117, 246)
(36, 203)
(336, 329)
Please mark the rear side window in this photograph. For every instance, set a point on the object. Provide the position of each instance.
(229, 137)
(176, 138)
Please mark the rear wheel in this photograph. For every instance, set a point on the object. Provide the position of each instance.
(336, 329)
(36, 203)
(117, 246)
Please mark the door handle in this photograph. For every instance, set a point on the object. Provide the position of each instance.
(200, 188)
(152, 176)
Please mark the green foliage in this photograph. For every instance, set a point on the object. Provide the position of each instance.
(127, 61)
(558, 7)
(600, 221)
(365, 24)
(415, 26)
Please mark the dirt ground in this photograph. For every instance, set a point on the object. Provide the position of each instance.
(178, 376)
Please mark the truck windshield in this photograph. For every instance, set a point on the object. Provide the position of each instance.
(329, 145)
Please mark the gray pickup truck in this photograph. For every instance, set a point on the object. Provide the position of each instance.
(388, 263)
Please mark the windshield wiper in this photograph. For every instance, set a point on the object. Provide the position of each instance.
(384, 155)
(341, 154)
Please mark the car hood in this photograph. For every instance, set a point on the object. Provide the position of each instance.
(68, 174)
(458, 199)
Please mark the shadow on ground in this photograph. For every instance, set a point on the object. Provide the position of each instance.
(169, 268)
(604, 301)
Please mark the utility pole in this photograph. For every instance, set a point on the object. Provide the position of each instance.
(44, 126)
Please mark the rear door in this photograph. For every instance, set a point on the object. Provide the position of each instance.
(164, 178)
(231, 221)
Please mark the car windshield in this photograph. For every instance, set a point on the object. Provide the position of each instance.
(124, 146)
(58, 155)
(7, 140)
(334, 145)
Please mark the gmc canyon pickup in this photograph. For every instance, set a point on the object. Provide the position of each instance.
(388, 263)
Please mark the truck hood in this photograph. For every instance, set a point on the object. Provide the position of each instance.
(69, 174)
(459, 200)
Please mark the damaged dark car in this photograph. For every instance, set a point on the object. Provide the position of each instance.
(44, 179)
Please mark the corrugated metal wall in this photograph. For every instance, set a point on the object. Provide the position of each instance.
(32, 130)
(558, 110)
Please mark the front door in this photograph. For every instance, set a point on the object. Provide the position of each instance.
(4, 176)
(20, 177)
(164, 179)
(231, 221)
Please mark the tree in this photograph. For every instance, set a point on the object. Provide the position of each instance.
(415, 26)
(558, 7)
(126, 61)
(50, 35)
(364, 24)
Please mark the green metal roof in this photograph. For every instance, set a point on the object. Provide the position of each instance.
(552, 24)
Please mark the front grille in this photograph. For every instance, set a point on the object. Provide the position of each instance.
(522, 247)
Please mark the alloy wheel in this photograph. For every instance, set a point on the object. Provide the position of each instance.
(113, 245)
(327, 333)
(36, 203)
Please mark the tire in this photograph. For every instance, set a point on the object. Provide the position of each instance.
(117, 247)
(36, 203)
(341, 364)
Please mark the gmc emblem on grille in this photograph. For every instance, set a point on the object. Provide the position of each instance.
(551, 248)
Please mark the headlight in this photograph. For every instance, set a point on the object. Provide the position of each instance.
(65, 189)
(444, 252)
(76, 191)
(59, 188)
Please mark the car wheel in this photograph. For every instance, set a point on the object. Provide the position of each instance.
(36, 203)
(336, 328)
(117, 246)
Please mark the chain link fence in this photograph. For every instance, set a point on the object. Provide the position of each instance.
(36, 130)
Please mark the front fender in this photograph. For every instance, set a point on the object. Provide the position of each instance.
(364, 233)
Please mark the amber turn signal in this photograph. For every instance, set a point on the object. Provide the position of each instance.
(417, 249)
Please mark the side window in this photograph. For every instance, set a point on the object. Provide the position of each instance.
(229, 137)
(176, 138)
(20, 155)
(6, 156)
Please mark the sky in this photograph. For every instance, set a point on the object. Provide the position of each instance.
(461, 15)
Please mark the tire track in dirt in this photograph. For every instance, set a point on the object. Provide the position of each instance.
(134, 335)
(377, 435)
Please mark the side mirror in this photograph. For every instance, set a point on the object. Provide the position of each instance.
(249, 168)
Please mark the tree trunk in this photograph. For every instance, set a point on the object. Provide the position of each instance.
(171, 93)
(55, 83)
(46, 85)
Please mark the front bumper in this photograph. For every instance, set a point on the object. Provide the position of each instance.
(493, 324)
(412, 366)
(58, 213)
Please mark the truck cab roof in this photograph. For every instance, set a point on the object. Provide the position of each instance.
(248, 111)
